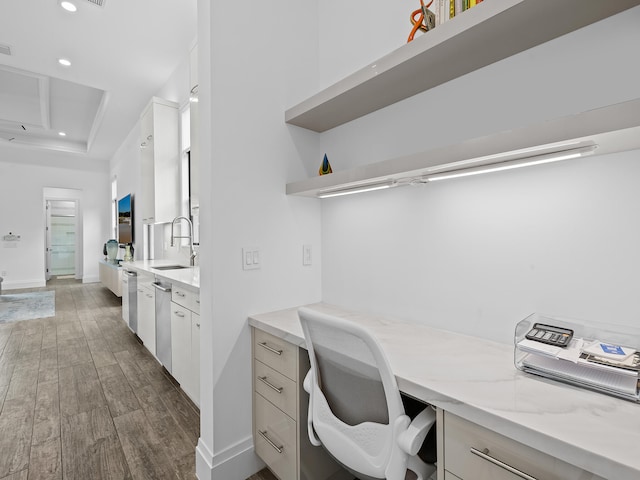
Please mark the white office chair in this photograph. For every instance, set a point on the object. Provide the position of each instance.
(355, 408)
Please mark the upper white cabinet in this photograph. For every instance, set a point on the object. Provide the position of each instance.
(160, 164)
(485, 34)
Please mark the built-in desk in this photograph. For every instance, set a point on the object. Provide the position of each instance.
(475, 380)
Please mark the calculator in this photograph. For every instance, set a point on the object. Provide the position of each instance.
(556, 336)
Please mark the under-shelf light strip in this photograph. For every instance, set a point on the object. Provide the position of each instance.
(357, 189)
(528, 161)
(510, 164)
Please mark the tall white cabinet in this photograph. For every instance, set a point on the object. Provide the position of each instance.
(160, 162)
(185, 341)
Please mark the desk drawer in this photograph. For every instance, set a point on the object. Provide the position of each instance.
(275, 439)
(275, 387)
(472, 452)
(276, 353)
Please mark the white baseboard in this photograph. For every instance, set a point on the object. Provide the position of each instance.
(8, 285)
(91, 279)
(237, 462)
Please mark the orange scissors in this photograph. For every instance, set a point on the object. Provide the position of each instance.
(420, 20)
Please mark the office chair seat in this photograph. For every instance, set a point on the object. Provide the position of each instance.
(355, 408)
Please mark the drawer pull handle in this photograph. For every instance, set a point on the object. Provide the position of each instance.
(271, 349)
(270, 442)
(179, 313)
(180, 294)
(485, 455)
(270, 385)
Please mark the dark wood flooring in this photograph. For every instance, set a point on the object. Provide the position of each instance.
(81, 399)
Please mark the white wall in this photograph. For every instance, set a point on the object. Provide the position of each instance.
(476, 255)
(23, 176)
(248, 156)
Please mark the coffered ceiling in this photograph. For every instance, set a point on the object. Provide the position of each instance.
(121, 54)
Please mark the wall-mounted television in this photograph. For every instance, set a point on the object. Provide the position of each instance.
(125, 219)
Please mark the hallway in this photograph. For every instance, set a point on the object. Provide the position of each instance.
(80, 398)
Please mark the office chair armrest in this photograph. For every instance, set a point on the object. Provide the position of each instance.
(308, 385)
(412, 438)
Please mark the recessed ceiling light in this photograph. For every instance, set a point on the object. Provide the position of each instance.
(68, 6)
(62, 134)
(64, 62)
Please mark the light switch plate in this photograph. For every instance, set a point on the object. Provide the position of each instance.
(306, 255)
(250, 258)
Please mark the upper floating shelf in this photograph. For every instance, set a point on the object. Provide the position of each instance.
(613, 128)
(489, 32)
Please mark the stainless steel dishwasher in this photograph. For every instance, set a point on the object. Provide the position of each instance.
(163, 323)
(130, 299)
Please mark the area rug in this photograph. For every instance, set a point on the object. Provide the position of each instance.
(26, 306)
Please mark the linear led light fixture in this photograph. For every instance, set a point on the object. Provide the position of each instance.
(517, 163)
(369, 187)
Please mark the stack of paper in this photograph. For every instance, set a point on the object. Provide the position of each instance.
(612, 369)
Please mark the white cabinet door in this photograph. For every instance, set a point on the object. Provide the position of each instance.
(160, 161)
(147, 200)
(194, 379)
(180, 344)
(147, 318)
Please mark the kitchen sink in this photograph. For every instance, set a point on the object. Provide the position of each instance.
(169, 267)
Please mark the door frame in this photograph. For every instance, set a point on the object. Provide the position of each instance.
(69, 195)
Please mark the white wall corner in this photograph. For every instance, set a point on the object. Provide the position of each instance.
(237, 462)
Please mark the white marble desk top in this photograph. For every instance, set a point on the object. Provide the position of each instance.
(477, 380)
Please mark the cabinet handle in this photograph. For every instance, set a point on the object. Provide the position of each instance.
(198, 325)
(270, 442)
(180, 294)
(149, 137)
(179, 313)
(273, 350)
(149, 296)
(270, 385)
(484, 454)
(157, 286)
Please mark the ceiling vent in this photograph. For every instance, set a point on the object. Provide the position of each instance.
(99, 3)
(5, 49)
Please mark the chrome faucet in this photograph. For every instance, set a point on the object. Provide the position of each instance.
(192, 255)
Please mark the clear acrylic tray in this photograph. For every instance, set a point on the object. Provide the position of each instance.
(615, 371)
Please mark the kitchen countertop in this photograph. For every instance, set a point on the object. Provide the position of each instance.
(188, 278)
(476, 379)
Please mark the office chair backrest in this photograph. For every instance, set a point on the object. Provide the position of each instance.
(356, 411)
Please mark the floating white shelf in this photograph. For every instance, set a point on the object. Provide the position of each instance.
(485, 34)
(613, 128)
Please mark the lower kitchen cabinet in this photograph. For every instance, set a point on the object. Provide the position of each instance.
(111, 276)
(185, 343)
